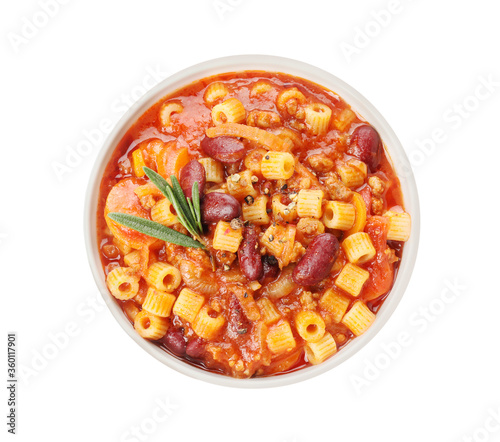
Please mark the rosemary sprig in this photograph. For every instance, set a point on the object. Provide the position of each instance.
(188, 213)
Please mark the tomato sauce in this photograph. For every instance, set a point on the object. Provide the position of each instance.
(239, 349)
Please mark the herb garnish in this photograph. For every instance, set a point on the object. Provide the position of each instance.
(188, 213)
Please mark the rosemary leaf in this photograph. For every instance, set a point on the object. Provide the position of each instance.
(180, 211)
(157, 180)
(154, 229)
(192, 211)
(181, 198)
(196, 204)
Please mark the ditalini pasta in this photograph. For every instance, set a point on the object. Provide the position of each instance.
(358, 248)
(320, 350)
(309, 203)
(214, 170)
(353, 173)
(164, 213)
(230, 111)
(206, 325)
(300, 233)
(310, 326)
(158, 303)
(352, 278)
(123, 283)
(255, 210)
(318, 117)
(150, 326)
(215, 92)
(277, 166)
(166, 112)
(226, 238)
(163, 276)
(338, 215)
(188, 304)
(268, 310)
(358, 318)
(399, 226)
(280, 338)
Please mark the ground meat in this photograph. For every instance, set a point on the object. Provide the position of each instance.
(391, 255)
(199, 256)
(297, 252)
(223, 257)
(377, 185)
(337, 189)
(232, 168)
(307, 301)
(377, 206)
(264, 119)
(297, 125)
(147, 201)
(320, 162)
(305, 183)
(308, 228)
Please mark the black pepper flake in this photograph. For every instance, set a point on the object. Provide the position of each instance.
(242, 331)
(249, 200)
(245, 295)
(267, 157)
(284, 187)
(236, 224)
(271, 238)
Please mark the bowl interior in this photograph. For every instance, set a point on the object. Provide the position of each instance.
(359, 104)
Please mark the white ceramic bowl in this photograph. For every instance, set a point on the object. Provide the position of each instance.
(273, 64)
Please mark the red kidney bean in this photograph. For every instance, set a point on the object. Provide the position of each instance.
(218, 206)
(318, 260)
(366, 145)
(195, 348)
(238, 324)
(191, 172)
(249, 256)
(224, 149)
(175, 342)
(270, 268)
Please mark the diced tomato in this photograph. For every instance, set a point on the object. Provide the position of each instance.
(366, 194)
(381, 271)
(150, 150)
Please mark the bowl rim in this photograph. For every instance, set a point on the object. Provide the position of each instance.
(255, 62)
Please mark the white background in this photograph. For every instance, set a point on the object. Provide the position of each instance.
(70, 74)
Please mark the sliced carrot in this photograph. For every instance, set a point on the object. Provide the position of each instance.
(151, 149)
(145, 154)
(360, 220)
(172, 159)
(138, 162)
(260, 136)
(122, 198)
